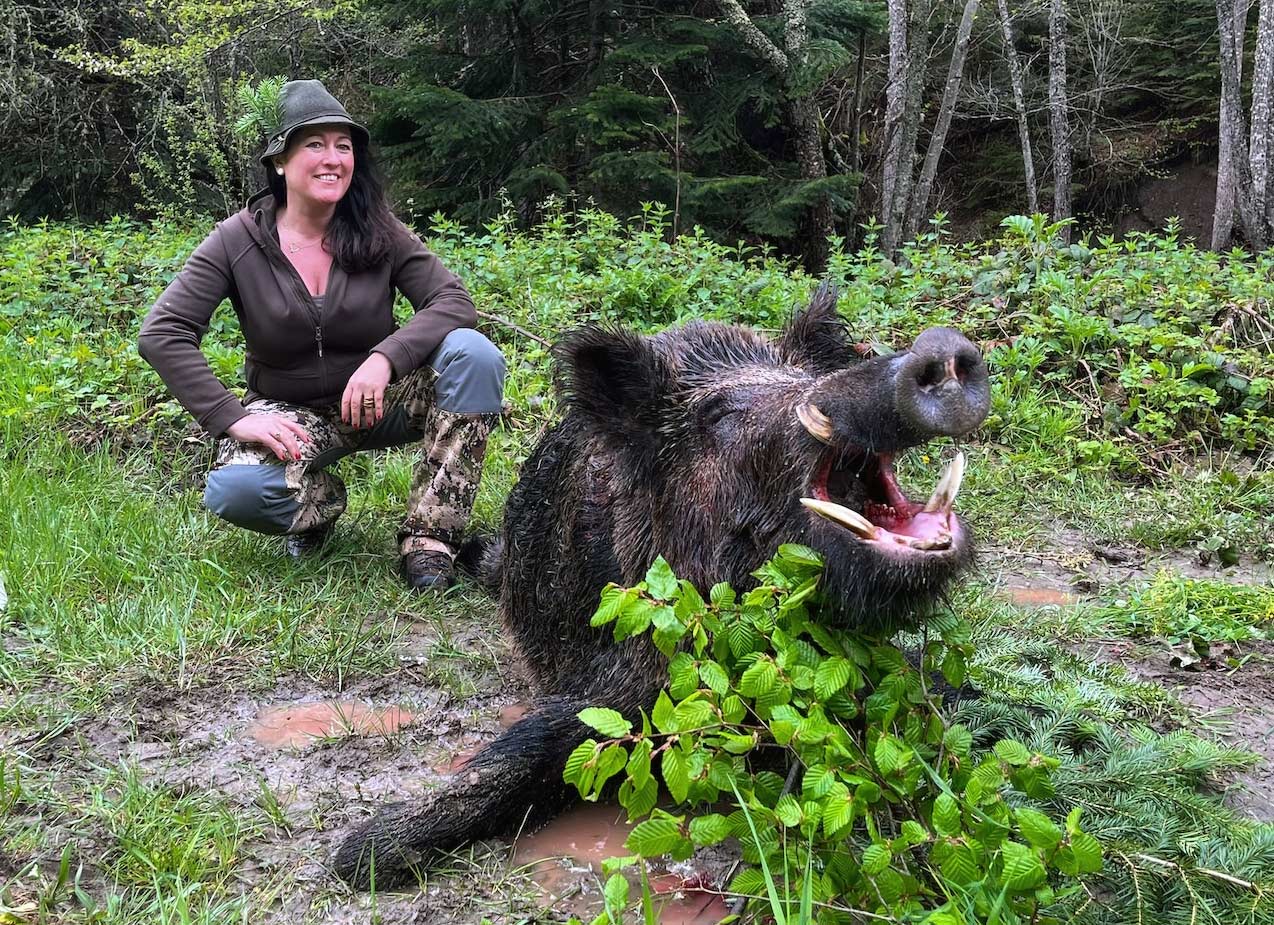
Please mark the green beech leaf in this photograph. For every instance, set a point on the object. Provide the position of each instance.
(661, 715)
(575, 762)
(875, 859)
(676, 774)
(788, 811)
(1039, 830)
(954, 667)
(1083, 855)
(832, 675)
(958, 739)
(616, 893)
(714, 677)
(639, 763)
(609, 723)
(1022, 869)
(721, 594)
(946, 815)
(694, 714)
(638, 799)
(612, 602)
(683, 678)
(958, 863)
(660, 581)
(760, 679)
(1010, 751)
(709, 829)
(654, 837)
(609, 763)
(913, 833)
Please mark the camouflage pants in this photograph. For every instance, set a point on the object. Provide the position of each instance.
(249, 486)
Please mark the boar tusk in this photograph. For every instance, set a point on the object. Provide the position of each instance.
(944, 493)
(817, 423)
(839, 514)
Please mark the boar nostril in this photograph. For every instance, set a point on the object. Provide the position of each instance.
(942, 386)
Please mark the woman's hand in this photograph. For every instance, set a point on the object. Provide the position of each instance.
(281, 435)
(363, 403)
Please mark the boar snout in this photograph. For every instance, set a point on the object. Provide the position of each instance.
(941, 388)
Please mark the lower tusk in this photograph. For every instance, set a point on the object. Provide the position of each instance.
(944, 493)
(851, 520)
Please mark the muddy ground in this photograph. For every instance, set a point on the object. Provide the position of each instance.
(329, 759)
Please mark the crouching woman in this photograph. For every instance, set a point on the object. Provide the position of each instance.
(311, 267)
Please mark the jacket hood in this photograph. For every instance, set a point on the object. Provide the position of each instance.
(259, 217)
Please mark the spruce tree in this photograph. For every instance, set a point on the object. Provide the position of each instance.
(620, 104)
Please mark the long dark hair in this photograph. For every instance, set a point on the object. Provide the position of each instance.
(361, 232)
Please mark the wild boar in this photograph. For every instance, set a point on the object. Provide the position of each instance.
(710, 445)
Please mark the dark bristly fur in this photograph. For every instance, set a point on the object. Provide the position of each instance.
(685, 444)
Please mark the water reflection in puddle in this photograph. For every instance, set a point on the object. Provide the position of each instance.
(565, 859)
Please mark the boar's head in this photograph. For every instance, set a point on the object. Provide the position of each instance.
(712, 444)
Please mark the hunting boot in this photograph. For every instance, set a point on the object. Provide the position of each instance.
(443, 488)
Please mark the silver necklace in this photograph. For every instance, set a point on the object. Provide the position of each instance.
(294, 248)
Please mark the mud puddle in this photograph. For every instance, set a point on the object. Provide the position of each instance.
(565, 857)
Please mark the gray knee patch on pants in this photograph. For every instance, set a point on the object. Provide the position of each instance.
(254, 497)
(470, 371)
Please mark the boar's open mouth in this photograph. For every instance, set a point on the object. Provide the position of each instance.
(859, 490)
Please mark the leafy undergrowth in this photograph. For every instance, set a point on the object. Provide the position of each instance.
(894, 808)
(1112, 353)
(1178, 608)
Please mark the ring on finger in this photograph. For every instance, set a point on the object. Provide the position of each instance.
(369, 401)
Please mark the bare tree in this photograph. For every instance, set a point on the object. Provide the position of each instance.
(917, 60)
(1233, 181)
(950, 93)
(1262, 128)
(1019, 100)
(895, 110)
(1101, 26)
(1059, 120)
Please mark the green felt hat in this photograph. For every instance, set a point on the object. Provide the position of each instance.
(307, 102)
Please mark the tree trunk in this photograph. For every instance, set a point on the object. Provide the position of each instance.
(917, 58)
(950, 94)
(1059, 119)
(855, 145)
(1019, 101)
(895, 107)
(803, 118)
(1261, 138)
(1233, 181)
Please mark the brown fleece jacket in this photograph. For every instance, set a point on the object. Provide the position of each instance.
(297, 351)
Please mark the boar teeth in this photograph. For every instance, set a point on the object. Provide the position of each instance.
(817, 423)
(941, 541)
(836, 513)
(944, 493)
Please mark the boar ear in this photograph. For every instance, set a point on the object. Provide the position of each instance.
(613, 376)
(815, 338)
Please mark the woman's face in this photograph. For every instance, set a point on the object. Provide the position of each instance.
(318, 164)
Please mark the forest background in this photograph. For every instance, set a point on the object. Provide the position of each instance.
(767, 122)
